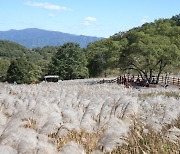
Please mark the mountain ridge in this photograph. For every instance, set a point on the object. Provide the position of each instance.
(34, 37)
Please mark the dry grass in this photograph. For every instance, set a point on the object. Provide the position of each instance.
(87, 140)
(31, 123)
(150, 142)
(174, 94)
(139, 141)
(141, 137)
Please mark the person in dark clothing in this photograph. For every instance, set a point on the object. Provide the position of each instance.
(138, 81)
(124, 81)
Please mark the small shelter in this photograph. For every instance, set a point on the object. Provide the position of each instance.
(51, 78)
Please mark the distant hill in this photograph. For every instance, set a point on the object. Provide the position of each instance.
(33, 37)
(10, 49)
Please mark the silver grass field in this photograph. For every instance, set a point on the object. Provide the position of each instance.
(80, 116)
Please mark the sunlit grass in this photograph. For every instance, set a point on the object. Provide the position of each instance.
(143, 139)
(174, 94)
(94, 118)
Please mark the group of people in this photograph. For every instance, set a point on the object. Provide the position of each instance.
(129, 81)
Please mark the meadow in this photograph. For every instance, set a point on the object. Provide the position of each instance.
(81, 116)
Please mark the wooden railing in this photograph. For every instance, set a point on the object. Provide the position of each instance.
(169, 80)
(131, 78)
(108, 81)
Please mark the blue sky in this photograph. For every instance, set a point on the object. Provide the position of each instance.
(84, 17)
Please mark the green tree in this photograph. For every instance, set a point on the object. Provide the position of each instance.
(149, 55)
(11, 50)
(96, 64)
(4, 65)
(23, 71)
(176, 19)
(102, 55)
(69, 62)
(46, 52)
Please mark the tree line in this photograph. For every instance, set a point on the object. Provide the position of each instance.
(148, 50)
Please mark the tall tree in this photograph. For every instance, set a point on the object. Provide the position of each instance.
(149, 55)
(102, 55)
(69, 62)
(22, 71)
(4, 65)
(176, 19)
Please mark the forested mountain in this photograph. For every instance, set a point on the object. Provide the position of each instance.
(33, 37)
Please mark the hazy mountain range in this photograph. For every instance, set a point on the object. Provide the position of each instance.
(33, 37)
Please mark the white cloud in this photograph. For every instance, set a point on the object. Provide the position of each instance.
(89, 21)
(51, 15)
(86, 23)
(145, 19)
(46, 5)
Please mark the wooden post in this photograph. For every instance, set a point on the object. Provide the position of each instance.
(173, 80)
(168, 80)
(128, 78)
(165, 80)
